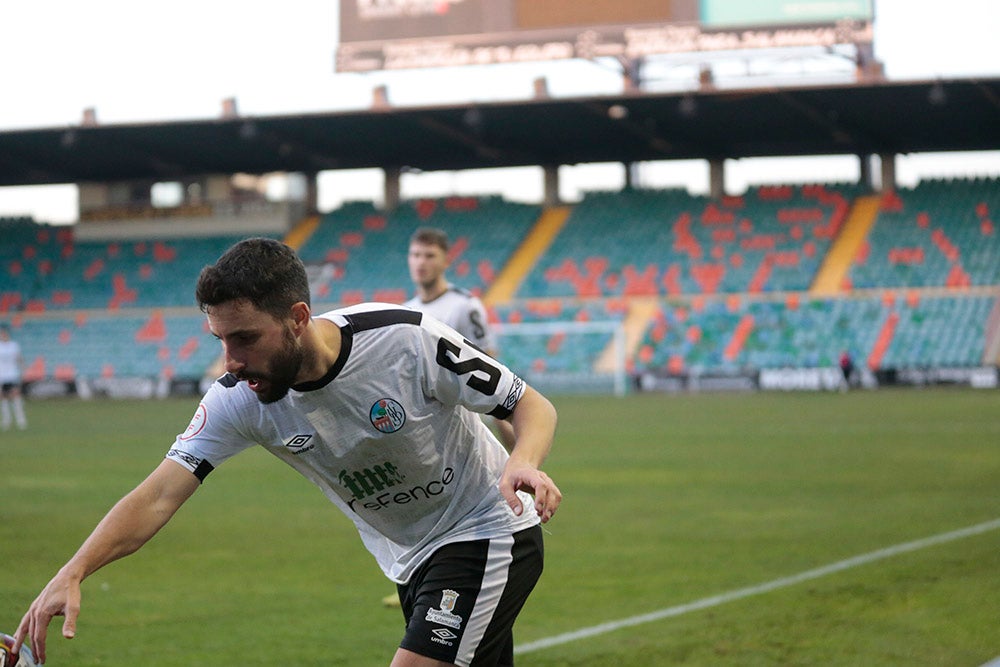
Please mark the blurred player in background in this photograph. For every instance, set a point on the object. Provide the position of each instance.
(11, 400)
(376, 406)
(456, 307)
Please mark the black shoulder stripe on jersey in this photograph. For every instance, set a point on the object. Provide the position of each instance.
(382, 318)
(228, 381)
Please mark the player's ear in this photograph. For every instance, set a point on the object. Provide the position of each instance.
(301, 314)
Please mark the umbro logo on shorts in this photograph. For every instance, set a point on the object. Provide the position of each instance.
(443, 636)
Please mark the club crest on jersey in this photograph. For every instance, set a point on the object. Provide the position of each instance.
(387, 415)
(445, 615)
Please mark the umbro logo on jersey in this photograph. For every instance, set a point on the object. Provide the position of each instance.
(300, 443)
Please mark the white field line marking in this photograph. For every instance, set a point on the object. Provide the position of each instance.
(767, 587)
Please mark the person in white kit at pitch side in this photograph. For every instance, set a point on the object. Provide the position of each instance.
(11, 399)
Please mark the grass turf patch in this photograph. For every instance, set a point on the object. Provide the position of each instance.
(668, 500)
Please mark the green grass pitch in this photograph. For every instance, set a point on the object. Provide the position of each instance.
(668, 500)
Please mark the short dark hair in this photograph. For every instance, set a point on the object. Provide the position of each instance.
(265, 272)
(430, 236)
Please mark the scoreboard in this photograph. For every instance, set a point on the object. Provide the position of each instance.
(401, 34)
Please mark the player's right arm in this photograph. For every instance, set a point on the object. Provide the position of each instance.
(130, 524)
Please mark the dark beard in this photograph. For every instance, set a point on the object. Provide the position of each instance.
(282, 372)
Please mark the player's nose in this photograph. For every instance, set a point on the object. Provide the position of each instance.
(233, 365)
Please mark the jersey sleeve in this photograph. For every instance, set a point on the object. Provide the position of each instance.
(475, 325)
(212, 436)
(457, 372)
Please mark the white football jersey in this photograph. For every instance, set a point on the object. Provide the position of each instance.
(462, 311)
(389, 434)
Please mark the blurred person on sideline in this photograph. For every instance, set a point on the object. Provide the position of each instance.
(374, 404)
(11, 400)
(846, 369)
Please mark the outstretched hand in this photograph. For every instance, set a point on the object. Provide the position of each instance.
(61, 597)
(518, 476)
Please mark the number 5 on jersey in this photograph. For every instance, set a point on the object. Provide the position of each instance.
(446, 350)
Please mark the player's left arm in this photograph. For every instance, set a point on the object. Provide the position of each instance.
(478, 330)
(534, 425)
(504, 430)
(455, 371)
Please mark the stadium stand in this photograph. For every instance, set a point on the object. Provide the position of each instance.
(731, 336)
(129, 273)
(939, 234)
(940, 332)
(29, 253)
(700, 286)
(95, 309)
(670, 243)
(102, 344)
(359, 254)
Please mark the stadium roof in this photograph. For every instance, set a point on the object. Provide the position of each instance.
(895, 117)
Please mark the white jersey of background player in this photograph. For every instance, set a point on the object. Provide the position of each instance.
(458, 308)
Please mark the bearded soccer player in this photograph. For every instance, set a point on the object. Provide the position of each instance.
(376, 406)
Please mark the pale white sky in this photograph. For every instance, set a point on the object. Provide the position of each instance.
(154, 61)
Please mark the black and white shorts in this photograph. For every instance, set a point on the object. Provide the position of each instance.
(461, 604)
